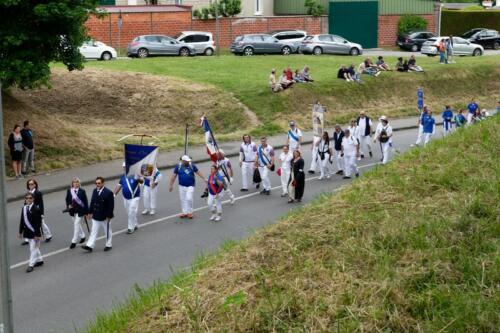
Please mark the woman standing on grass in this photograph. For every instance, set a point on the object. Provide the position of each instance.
(297, 178)
(15, 143)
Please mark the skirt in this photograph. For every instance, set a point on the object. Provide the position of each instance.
(16, 155)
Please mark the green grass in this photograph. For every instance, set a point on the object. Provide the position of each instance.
(391, 93)
(410, 247)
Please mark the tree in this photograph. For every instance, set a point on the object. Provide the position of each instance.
(314, 8)
(408, 23)
(224, 8)
(34, 33)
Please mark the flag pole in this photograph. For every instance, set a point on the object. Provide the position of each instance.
(186, 140)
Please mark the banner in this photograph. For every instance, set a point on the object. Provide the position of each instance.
(318, 112)
(140, 160)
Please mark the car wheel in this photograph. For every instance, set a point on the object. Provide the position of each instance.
(317, 50)
(209, 52)
(248, 51)
(184, 52)
(496, 45)
(414, 48)
(354, 52)
(477, 52)
(286, 50)
(106, 56)
(142, 53)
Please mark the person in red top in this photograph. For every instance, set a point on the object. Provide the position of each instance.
(215, 193)
(289, 73)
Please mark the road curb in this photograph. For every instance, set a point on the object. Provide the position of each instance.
(58, 188)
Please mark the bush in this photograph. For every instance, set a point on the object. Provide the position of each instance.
(456, 22)
(225, 8)
(314, 8)
(473, 8)
(408, 23)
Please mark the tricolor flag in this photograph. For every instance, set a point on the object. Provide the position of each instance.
(140, 160)
(210, 142)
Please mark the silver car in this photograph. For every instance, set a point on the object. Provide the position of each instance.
(290, 36)
(460, 47)
(203, 42)
(261, 43)
(331, 44)
(148, 45)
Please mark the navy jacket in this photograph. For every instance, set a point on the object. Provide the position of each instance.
(102, 206)
(38, 200)
(337, 138)
(35, 219)
(76, 208)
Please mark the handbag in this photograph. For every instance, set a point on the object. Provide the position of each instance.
(279, 172)
(256, 176)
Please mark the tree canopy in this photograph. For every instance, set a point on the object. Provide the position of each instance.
(34, 33)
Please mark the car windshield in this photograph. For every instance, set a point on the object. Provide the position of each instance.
(470, 33)
(178, 35)
(238, 39)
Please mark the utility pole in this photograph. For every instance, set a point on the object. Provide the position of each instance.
(217, 27)
(6, 321)
(120, 23)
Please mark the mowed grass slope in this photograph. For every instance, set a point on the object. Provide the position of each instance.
(393, 94)
(412, 246)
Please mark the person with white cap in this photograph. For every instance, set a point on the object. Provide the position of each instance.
(224, 166)
(186, 172)
(383, 135)
(294, 137)
(131, 191)
(248, 152)
(215, 193)
(150, 191)
(350, 151)
(265, 162)
(284, 171)
(364, 133)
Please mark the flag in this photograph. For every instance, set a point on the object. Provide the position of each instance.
(210, 142)
(140, 160)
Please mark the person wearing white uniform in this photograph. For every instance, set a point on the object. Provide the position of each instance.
(131, 191)
(32, 187)
(30, 228)
(77, 206)
(353, 129)
(383, 135)
(325, 154)
(186, 172)
(365, 125)
(314, 155)
(248, 152)
(265, 162)
(224, 166)
(350, 151)
(285, 161)
(215, 193)
(421, 121)
(150, 191)
(294, 137)
(337, 137)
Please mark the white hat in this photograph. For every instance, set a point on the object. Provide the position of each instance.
(383, 118)
(186, 158)
(124, 164)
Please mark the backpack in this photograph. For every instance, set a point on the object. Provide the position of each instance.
(383, 136)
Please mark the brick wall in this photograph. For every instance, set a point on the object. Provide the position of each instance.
(170, 23)
(388, 28)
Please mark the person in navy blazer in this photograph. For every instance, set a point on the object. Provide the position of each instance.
(30, 228)
(77, 207)
(101, 210)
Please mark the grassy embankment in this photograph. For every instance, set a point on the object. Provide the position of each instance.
(410, 247)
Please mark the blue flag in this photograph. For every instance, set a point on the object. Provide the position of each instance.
(140, 160)
(420, 98)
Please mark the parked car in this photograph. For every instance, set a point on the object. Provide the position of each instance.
(261, 44)
(460, 47)
(413, 41)
(97, 50)
(203, 42)
(488, 38)
(331, 44)
(147, 45)
(290, 36)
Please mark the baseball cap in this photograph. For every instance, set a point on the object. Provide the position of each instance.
(186, 158)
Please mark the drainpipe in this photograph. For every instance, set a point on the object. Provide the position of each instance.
(439, 18)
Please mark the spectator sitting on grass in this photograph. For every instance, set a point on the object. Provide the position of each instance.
(297, 77)
(343, 74)
(275, 86)
(285, 83)
(477, 117)
(306, 75)
(289, 73)
(412, 65)
(381, 65)
(354, 76)
(366, 68)
(400, 65)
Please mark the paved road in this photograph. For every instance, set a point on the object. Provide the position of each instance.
(406, 54)
(65, 293)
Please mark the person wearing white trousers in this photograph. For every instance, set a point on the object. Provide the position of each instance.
(186, 171)
(314, 155)
(285, 159)
(150, 191)
(337, 137)
(429, 128)
(131, 191)
(421, 121)
(364, 124)
(248, 152)
(383, 135)
(32, 186)
(77, 207)
(215, 193)
(325, 153)
(265, 162)
(30, 228)
(350, 152)
(354, 130)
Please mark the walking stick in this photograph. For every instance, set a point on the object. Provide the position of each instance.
(86, 223)
(107, 230)
(381, 150)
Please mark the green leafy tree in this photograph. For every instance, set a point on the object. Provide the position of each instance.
(224, 8)
(34, 33)
(409, 23)
(314, 8)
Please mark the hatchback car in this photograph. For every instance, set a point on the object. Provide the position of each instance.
(414, 40)
(203, 42)
(97, 50)
(331, 44)
(486, 37)
(290, 36)
(261, 43)
(148, 45)
(461, 47)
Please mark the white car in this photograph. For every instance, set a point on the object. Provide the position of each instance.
(203, 42)
(461, 47)
(97, 50)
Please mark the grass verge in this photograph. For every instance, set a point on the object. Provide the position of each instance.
(411, 247)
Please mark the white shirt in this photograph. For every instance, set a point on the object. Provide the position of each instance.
(388, 130)
(349, 144)
(285, 160)
(362, 125)
(354, 130)
(323, 147)
(248, 151)
(292, 144)
(269, 153)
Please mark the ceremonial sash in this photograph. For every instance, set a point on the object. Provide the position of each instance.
(26, 221)
(262, 156)
(147, 181)
(293, 136)
(75, 197)
(130, 188)
(214, 189)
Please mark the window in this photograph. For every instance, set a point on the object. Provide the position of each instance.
(200, 38)
(152, 39)
(258, 7)
(188, 39)
(325, 38)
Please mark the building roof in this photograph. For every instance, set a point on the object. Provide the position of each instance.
(145, 9)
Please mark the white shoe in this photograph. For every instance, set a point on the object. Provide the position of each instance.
(232, 199)
(145, 211)
(320, 178)
(328, 177)
(152, 212)
(217, 218)
(213, 217)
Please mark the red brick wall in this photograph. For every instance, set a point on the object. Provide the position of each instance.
(170, 23)
(388, 28)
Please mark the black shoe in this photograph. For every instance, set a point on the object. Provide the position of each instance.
(25, 243)
(87, 248)
(72, 246)
(268, 192)
(371, 155)
(244, 190)
(257, 186)
(107, 248)
(312, 172)
(357, 175)
(82, 241)
(339, 172)
(130, 231)
(263, 192)
(38, 264)
(298, 200)
(381, 160)
(48, 240)
(362, 155)
(345, 177)
(29, 269)
(136, 228)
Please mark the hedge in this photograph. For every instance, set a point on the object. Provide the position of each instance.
(455, 22)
